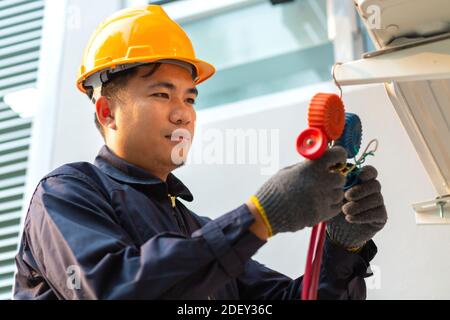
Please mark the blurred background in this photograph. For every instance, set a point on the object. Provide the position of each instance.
(271, 58)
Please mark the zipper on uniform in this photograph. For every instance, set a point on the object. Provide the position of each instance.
(176, 215)
(172, 199)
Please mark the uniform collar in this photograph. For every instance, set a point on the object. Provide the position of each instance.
(121, 170)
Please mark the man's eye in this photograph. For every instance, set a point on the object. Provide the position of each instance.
(190, 101)
(161, 94)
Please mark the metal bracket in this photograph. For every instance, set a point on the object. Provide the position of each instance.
(407, 45)
(436, 211)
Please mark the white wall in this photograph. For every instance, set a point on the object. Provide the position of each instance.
(411, 259)
(411, 262)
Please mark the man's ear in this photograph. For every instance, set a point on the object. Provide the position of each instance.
(105, 114)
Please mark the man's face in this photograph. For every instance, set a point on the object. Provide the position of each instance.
(150, 109)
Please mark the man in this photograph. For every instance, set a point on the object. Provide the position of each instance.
(116, 230)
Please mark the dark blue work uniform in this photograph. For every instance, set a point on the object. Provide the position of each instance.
(109, 230)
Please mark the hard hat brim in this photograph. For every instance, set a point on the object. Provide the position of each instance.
(204, 69)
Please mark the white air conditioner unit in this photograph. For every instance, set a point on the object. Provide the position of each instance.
(412, 59)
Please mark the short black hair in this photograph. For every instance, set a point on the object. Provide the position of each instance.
(117, 81)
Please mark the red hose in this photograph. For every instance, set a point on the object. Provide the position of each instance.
(317, 261)
(308, 267)
(312, 268)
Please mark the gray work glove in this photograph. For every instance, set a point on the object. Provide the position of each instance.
(303, 194)
(363, 213)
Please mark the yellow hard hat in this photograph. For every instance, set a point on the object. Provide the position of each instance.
(135, 36)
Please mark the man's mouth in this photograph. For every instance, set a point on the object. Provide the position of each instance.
(176, 138)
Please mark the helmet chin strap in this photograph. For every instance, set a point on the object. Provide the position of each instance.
(97, 79)
(96, 93)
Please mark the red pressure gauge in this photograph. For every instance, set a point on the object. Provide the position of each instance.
(326, 120)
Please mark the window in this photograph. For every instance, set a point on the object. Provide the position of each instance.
(20, 34)
(257, 48)
(261, 48)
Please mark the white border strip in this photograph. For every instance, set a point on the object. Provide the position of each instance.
(48, 84)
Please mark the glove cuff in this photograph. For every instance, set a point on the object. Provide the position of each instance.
(262, 213)
(273, 206)
(344, 237)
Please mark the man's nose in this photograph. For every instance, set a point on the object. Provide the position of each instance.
(181, 114)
